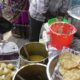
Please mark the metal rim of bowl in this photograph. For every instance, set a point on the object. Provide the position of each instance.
(39, 64)
(48, 65)
(26, 60)
(72, 15)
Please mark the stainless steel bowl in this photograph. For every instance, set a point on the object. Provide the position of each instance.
(51, 66)
(32, 71)
(34, 48)
(74, 13)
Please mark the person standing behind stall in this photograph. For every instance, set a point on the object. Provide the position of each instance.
(37, 11)
(58, 8)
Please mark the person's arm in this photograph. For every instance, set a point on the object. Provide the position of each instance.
(66, 4)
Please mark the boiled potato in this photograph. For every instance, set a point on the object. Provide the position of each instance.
(11, 66)
(3, 65)
(8, 77)
(6, 71)
(2, 77)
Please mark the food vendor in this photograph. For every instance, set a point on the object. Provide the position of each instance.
(38, 10)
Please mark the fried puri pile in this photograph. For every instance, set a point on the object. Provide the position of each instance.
(69, 66)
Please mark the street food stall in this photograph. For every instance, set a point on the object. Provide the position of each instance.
(55, 57)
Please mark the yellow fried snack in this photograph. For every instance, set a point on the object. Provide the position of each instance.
(69, 66)
(68, 60)
(76, 58)
(78, 66)
(62, 70)
(73, 74)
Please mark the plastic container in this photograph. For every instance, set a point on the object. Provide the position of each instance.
(52, 20)
(61, 34)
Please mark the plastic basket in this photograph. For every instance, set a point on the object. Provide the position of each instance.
(63, 38)
(57, 19)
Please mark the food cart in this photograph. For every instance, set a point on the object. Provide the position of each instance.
(15, 63)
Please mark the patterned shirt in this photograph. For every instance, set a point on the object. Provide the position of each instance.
(59, 6)
(38, 8)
